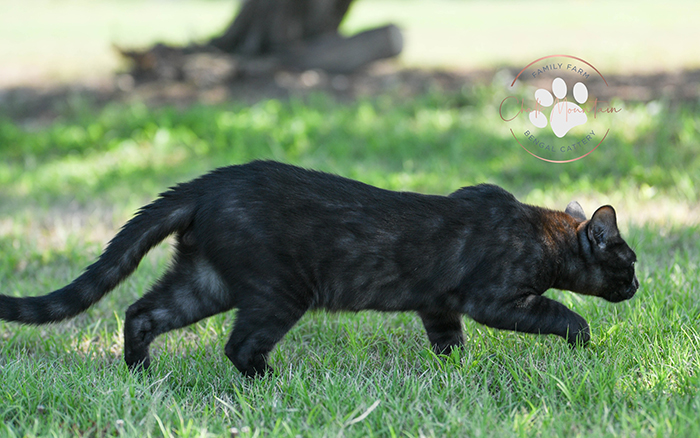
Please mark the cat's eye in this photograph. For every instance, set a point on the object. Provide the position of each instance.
(632, 265)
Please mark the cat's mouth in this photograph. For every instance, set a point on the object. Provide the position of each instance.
(627, 293)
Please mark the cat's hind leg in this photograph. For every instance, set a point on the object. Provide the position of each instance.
(444, 330)
(190, 291)
(260, 324)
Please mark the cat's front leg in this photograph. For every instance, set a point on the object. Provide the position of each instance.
(444, 330)
(539, 315)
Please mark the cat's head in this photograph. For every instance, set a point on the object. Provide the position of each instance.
(608, 261)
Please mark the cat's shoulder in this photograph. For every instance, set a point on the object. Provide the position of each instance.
(482, 192)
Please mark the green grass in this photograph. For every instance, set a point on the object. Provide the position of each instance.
(65, 187)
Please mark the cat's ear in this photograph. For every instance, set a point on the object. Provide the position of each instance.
(603, 226)
(575, 210)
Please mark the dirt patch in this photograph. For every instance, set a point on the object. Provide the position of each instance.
(43, 103)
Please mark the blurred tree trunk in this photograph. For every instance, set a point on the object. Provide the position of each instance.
(267, 26)
(303, 34)
(268, 35)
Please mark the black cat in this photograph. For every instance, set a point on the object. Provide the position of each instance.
(274, 241)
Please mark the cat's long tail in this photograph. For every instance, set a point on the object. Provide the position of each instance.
(171, 212)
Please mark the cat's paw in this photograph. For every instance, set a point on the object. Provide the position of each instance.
(564, 115)
(579, 334)
(139, 365)
(257, 370)
(251, 365)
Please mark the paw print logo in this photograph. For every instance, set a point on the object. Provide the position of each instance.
(564, 115)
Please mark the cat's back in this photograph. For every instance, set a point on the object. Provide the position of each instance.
(277, 185)
(269, 186)
(268, 195)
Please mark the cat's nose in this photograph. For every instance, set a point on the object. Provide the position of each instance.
(632, 289)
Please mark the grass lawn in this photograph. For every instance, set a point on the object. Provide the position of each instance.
(66, 187)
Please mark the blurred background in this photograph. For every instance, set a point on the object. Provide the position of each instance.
(71, 40)
(106, 103)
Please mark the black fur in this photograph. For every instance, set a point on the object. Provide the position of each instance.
(275, 240)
